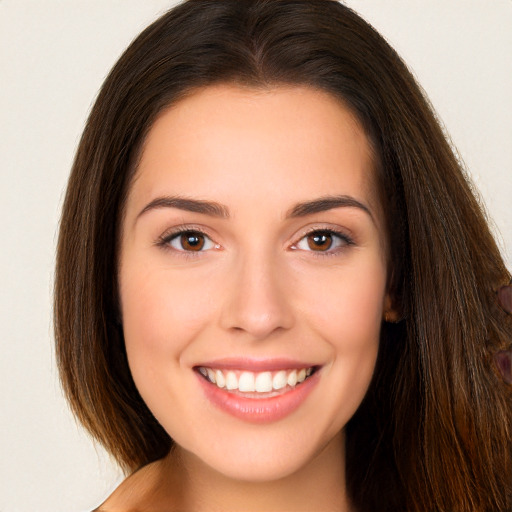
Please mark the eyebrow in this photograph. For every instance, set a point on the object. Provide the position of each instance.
(215, 209)
(323, 204)
(190, 205)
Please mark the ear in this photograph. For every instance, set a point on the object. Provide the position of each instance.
(390, 314)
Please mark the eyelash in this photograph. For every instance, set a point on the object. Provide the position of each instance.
(346, 241)
(164, 241)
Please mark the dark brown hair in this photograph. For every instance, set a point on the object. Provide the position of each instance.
(434, 431)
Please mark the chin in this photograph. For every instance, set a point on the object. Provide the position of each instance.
(265, 455)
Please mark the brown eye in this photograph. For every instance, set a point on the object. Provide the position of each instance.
(324, 241)
(320, 241)
(190, 241)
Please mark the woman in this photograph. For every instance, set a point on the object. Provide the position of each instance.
(275, 289)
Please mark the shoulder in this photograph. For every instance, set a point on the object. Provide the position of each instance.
(145, 490)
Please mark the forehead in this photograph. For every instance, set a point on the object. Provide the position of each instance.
(281, 143)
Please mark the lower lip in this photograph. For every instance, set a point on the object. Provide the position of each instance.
(259, 410)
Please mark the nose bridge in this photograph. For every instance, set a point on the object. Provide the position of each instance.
(258, 300)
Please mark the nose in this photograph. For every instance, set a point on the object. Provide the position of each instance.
(258, 299)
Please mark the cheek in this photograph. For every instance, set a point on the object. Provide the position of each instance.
(348, 317)
(347, 304)
(162, 310)
(163, 313)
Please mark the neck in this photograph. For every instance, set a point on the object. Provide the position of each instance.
(319, 486)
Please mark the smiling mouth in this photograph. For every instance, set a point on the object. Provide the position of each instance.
(256, 384)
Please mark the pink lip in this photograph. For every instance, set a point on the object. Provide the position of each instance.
(255, 365)
(259, 410)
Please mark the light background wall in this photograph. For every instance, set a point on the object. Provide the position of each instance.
(54, 54)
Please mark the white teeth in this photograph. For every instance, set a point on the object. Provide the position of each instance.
(279, 381)
(250, 382)
(219, 379)
(292, 378)
(263, 382)
(246, 382)
(231, 381)
(211, 375)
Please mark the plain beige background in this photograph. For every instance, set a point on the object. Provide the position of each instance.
(54, 55)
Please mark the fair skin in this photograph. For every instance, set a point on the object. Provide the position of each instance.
(252, 244)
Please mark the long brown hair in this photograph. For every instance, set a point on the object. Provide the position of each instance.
(434, 431)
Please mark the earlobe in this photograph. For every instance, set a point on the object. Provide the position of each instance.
(390, 314)
(391, 317)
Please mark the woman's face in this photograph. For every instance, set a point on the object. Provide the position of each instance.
(252, 276)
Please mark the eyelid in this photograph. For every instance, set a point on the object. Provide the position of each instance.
(335, 231)
(170, 234)
(167, 236)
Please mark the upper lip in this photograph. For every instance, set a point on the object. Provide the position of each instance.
(256, 364)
